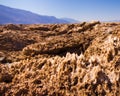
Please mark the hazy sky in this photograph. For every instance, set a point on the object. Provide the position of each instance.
(83, 10)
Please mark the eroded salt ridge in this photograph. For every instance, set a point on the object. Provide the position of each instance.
(66, 60)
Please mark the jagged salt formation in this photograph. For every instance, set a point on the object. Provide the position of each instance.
(74, 60)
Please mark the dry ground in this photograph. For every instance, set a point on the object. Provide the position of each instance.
(60, 59)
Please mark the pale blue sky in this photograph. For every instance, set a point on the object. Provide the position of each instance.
(83, 10)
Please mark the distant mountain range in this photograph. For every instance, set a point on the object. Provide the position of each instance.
(17, 16)
(114, 21)
(70, 20)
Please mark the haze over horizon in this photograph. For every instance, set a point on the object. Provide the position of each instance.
(82, 10)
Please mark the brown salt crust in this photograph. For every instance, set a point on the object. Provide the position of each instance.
(60, 59)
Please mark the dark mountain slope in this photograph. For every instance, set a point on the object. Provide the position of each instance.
(17, 16)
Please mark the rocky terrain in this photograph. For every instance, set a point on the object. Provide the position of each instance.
(60, 59)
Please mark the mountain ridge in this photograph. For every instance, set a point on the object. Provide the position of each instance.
(71, 20)
(19, 16)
